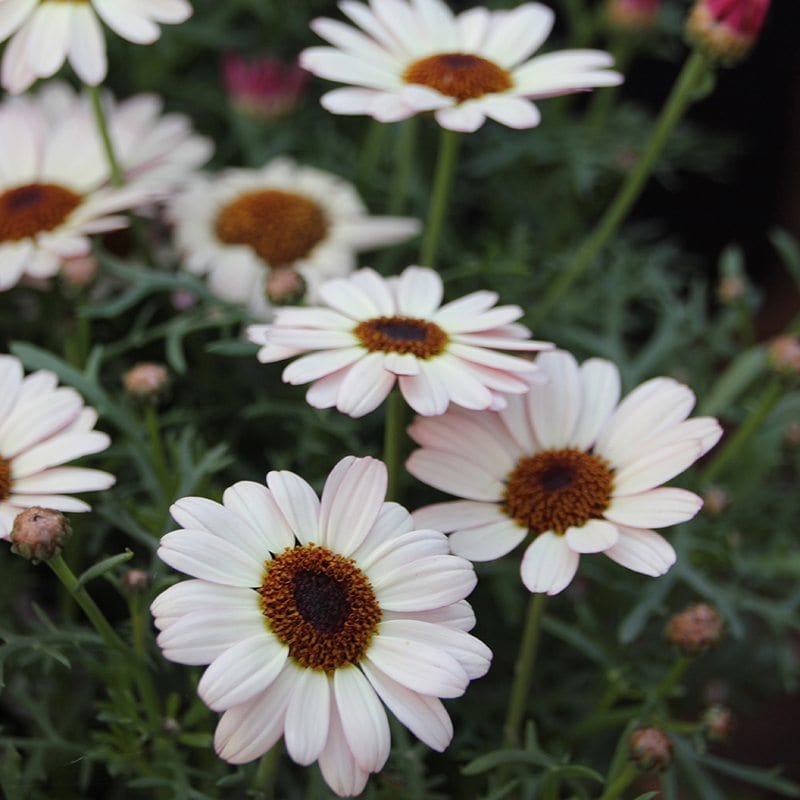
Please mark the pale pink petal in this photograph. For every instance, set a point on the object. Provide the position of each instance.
(426, 392)
(419, 292)
(594, 536)
(654, 509)
(365, 386)
(307, 716)
(554, 406)
(549, 564)
(255, 504)
(642, 551)
(337, 763)
(600, 388)
(459, 476)
(457, 514)
(488, 541)
(298, 503)
(656, 467)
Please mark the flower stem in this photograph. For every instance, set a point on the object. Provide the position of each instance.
(267, 771)
(117, 178)
(392, 438)
(523, 670)
(622, 782)
(682, 95)
(403, 161)
(442, 181)
(157, 450)
(769, 397)
(84, 600)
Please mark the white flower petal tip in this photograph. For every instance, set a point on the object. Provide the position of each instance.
(43, 427)
(269, 237)
(403, 58)
(343, 584)
(373, 332)
(568, 462)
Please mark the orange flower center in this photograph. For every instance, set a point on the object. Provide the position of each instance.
(459, 75)
(402, 335)
(281, 227)
(5, 479)
(321, 605)
(557, 489)
(34, 208)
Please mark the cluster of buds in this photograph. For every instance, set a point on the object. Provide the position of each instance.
(632, 16)
(726, 30)
(650, 749)
(695, 629)
(262, 88)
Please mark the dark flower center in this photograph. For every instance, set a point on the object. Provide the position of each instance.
(460, 75)
(34, 208)
(402, 335)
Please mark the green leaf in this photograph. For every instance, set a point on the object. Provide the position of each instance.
(499, 758)
(789, 250)
(768, 778)
(101, 567)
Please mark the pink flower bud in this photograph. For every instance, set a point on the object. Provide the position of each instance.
(39, 534)
(726, 29)
(263, 88)
(632, 15)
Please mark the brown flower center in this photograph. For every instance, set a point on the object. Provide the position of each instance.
(459, 75)
(34, 208)
(402, 335)
(280, 227)
(557, 489)
(5, 479)
(321, 605)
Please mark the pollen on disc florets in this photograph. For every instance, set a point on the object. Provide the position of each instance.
(5, 479)
(402, 335)
(321, 605)
(463, 76)
(557, 489)
(34, 208)
(281, 227)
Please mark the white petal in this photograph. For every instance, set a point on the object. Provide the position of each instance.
(457, 476)
(307, 716)
(87, 46)
(419, 292)
(657, 467)
(594, 536)
(313, 366)
(515, 112)
(254, 503)
(643, 551)
(337, 762)
(654, 509)
(187, 596)
(600, 388)
(549, 564)
(465, 117)
(61, 480)
(489, 541)
(456, 514)
(298, 502)
(554, 406)
(365, 386)
(404, 550)
(425, 392)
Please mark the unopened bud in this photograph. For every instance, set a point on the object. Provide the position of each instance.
(726, 30)
(731, 288)
(148, 381)
(718, 723)
(783, 353)
(791, 434)
(39, 534)
(715, 500)
(632, 16)
(650, 749)
(79, 271)
(695, 629)
(135, 581)
(285, 286)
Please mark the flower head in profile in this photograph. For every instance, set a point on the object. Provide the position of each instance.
(568, 465)
(375, 331)
(312, 613)
(243, 225)
(43, 427)
(55, 183)
(263, 88)
(726, 30)
(45, 33)
(414, 56)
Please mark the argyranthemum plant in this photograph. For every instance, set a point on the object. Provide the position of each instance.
(266, 234)
(55, 189)
(376, 331)
(418, 56)
(42, 427)
(568, 465)
(45, 33)
(310, 612)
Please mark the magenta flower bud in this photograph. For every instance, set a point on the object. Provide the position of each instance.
(632, 16)
(726, 29)
(263, 88)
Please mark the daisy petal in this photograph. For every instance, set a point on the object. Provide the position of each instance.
(549, 564)
(654, 509)
(594, 536)
(642, 551)
(308, 716)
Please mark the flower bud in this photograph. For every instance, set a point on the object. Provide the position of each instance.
(79, 271)
(731, 288)
(718, 723)
(135, 581)
(632, 16)
(726, 30)
(147, 382)
(38, 534)
(650, 749)
(285, 286)
(715, 500)
(783, 353)
(695, 629)
(263, 88)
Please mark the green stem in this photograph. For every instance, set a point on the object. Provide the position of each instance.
(682, 95)
(442, 181)
(371, 150)
(602, 101)
(622, 782)
(267, 772)
(403, 162)
(117, 177)
(157, 450)
(392, 441)
(84, 600)
(523, 670)
(769, 398)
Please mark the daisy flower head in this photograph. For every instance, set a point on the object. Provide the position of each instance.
(374, 331)
(412, 56)
(55, 189)
(568, 464)
(312, 613)
(43, 34)
(44, 426)
(252, 230)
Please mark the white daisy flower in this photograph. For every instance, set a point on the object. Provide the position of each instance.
(570, 466)
(375, 331)
(42, 427)
(311, 612)
(247, 227)
(411, 57)
(55, 188)
(45, 33)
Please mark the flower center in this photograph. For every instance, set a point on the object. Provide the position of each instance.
(557, 489)
(34, 208)
(459, 75)
(5, 479)
(402, 335)
(280, 227)
(321, 605)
